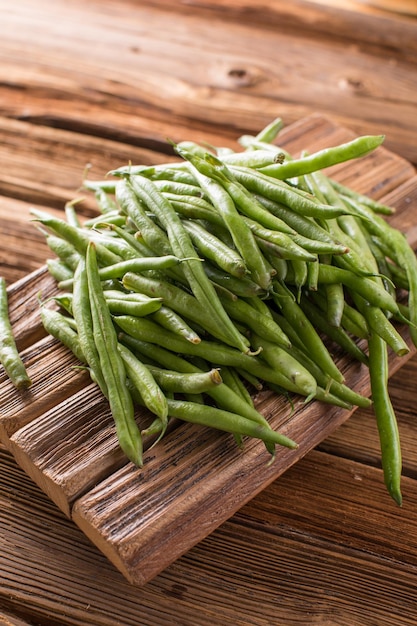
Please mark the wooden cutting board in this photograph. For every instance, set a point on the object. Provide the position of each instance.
(61, 432)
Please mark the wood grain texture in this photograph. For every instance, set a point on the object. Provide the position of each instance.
(195, 479)
(203, 70)
(260, 568)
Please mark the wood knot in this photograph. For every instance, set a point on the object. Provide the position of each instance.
(351, 83)
(241, 77)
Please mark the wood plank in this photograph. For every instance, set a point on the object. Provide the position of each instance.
(123, 493)
(347, 19)
(151, 73)
(11, 620)
(259, 568)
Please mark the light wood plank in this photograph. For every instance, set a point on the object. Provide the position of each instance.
(236, 87)
(261, 567)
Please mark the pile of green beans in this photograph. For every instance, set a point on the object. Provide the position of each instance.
(206, 279)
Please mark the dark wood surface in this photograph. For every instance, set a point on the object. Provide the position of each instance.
(94, 84)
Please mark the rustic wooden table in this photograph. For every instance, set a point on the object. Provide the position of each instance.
(105, 82)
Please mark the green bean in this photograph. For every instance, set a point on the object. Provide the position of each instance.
(215, 250)
(288, 248)
(177, 188)
(226, 421)
(361, 285)
(352, 321)
(312, 276)
(336, 333)
(305, 227)
(260, 323)
(59, 270)
(114, 217)
(112, 365)
(335, 388)
(241, 234)
(182, 247)
(118, 306)
(327, 157)
(374, 205)
(308, 335)
(191, 207)
(253, 158)
(153, 235)
(270, 132)
(175, 298)
(402, 254)
(60, 327)
(142, 378)
(244, 286)
(232, 379)
(170, 320)
(219, 354)
(380, 324)
(82, 314)
(224, 396)
(385, 416)
(78, 237)
(335, 304)
(118, 270)
(300, 273)
(259, 305)
(191, 383)
(108, 185)
(9, 354)
(278, 191)
(63, 250)
(282, 361)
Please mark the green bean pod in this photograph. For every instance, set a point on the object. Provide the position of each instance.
(224, 420)
(9, 354)
(385, 417)
(358, 147)
(112, 368)
(143, 379)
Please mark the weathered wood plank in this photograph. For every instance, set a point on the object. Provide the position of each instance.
(236, 87)
(259, 568)
(347, 19)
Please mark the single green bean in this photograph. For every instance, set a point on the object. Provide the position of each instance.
(191, 383)
(358, 147)
(9, 354)
(170, 320)
(143, 379)
(224, 420)
(385, 416)
(60, 327)
(112, 365)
